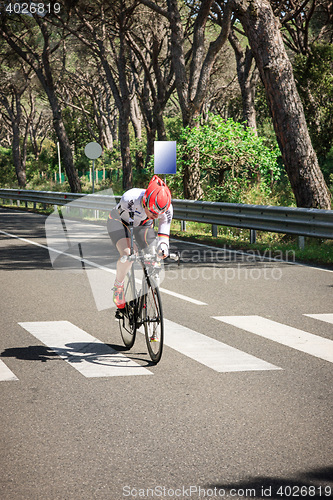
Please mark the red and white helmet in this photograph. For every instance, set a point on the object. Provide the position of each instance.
(157, 197)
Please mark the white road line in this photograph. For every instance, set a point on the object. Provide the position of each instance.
(5, 373)
(283, 334)
(103, 268)
(82, 351)
(182, 297)
(328, 318)
(89, 262)
(210, 352)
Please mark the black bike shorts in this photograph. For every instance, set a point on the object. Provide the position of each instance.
(117, 228)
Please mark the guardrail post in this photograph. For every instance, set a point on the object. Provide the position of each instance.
(301, 242)
(214, 230)
(183, 225)
(253, 236)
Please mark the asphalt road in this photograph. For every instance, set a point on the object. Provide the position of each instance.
(240, 405)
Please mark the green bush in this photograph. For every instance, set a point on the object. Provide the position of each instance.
(231, 158)
(7, 171)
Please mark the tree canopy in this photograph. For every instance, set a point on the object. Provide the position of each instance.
(127, 72)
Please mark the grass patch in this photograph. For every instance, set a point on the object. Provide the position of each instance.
(285, 247)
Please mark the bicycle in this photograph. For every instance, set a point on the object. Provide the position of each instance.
(143, 305)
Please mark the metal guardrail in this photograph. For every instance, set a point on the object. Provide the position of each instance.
(288, 220)
(93, 201)
(298, 221)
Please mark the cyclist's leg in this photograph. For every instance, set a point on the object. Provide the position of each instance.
(127, 316)
(119, 236)
(124, 248)
(145, 236)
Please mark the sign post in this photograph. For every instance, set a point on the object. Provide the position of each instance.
(59, 161)
(93, 150)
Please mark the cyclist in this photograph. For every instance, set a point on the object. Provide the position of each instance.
(139, 207)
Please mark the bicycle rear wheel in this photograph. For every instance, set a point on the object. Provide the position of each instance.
(127, 315)
(153, 321)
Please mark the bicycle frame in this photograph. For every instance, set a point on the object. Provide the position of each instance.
(139, 296)
(147, 282)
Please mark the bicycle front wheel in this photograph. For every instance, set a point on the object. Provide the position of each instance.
(127, 321)
(153, 321)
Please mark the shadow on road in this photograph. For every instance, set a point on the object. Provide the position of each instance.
(77, 352)
(314, 484)
(30, 353)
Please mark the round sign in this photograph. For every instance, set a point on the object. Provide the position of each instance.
(93, 150)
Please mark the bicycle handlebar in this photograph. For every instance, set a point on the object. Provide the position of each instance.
(134, 257)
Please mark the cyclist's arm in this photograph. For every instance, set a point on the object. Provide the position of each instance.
(122, 208)
(164, 232)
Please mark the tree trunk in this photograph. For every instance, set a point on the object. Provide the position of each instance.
(106, 133)
(14, 117)
(65, 147)
(191, 176)
(46, 78)
(135, 117)
(301, 163)
(19, 168)
(151, 134)
(25, 143)
(178, 58)
(249, 110)
(124, 118)
(123, 105)
(139, 162)
(159, 124)
(124, 112)
(247, 81)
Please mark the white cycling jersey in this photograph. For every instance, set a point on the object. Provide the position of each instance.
(131, 201)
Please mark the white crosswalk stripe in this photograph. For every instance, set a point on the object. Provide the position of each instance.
(210, 352)
(82, 351)
(308, 343)
(93, 358)
(6, 373)
(328, 318)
